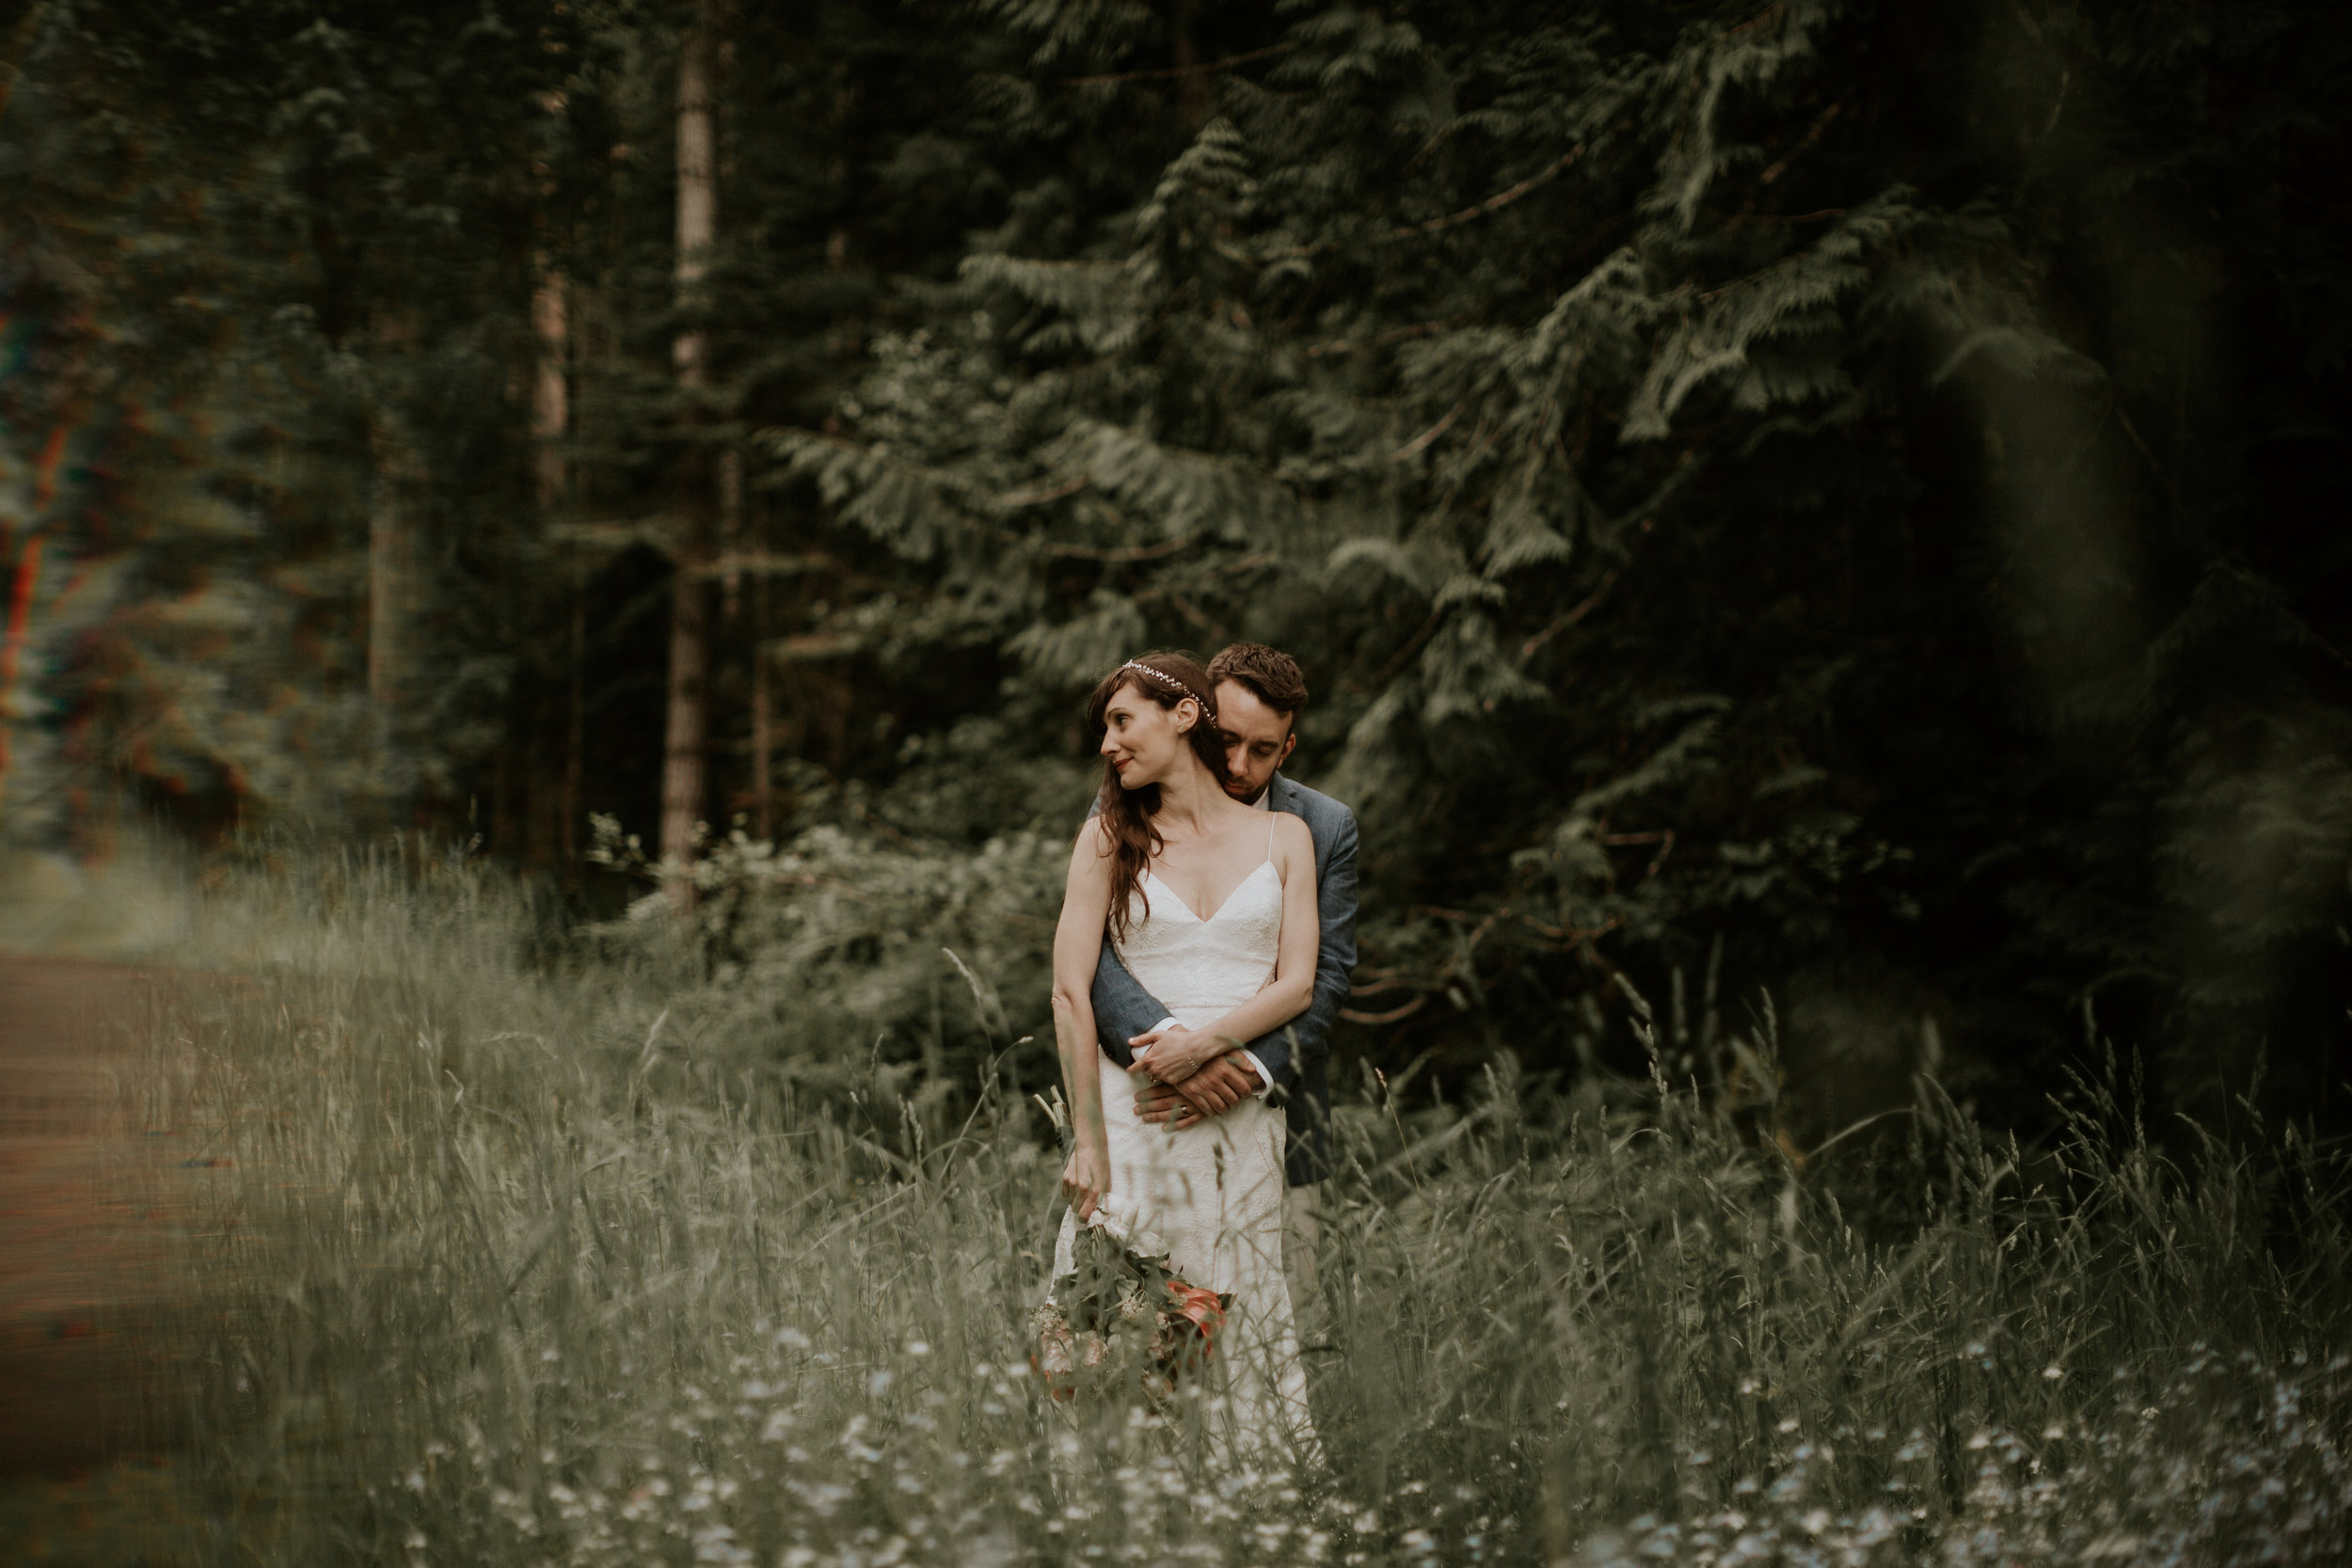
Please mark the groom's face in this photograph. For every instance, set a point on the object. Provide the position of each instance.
(1257, 738)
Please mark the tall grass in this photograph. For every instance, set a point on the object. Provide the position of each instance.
(502, 1265)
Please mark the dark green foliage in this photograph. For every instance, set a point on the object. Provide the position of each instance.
(1704, 466)
(1825, 497)
(280, 255)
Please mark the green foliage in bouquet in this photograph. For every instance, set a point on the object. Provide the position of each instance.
(1120, 1320)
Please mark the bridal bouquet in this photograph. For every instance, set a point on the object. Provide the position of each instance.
(1119, 1318)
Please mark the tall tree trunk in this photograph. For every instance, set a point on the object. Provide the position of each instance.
(731, 532)
(759, 518)
(19, 619)
(683, 776)
(394, 501)
(575, 724)
(763, 712)
(550, 389)
(551, 422)
(391, 552)
(1192, 86)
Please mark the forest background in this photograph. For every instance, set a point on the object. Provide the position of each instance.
(1808, 506)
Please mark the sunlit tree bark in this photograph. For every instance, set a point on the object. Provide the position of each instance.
(551, 391)
(550, 424)
(683, 767)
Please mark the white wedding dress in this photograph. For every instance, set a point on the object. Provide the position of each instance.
(1210, 1196)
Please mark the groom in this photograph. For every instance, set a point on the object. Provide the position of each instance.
(1259, 692)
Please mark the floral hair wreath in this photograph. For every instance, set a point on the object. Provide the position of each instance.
(1206, 706)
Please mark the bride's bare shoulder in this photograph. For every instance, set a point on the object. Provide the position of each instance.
(1292, 836)
(1094, 842)
(1091, 862)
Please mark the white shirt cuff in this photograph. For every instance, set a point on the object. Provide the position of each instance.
(1162, 1024)
(1266, 1079)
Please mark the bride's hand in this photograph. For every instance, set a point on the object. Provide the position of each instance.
(1172, 1056)
(1217, 1088)
(1086, 1180)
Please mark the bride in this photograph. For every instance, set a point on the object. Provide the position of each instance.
(1212, 905)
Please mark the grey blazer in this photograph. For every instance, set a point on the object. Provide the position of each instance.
(1294, 1056)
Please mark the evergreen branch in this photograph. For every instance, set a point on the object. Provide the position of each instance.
(1579, 937)
(760, 562)
(1210, 68)
(1824, 213)
(1609, 578)
(1663, 838)
(120, 748)
(1802, 147)
(657, 533)
(947, 489)
(2180, 508)
(1488, 208)
(1436, 139)
(1758, 19)
(1413, 645)
(1394, 1015)
(653, 534)
(1089, 553)
(1015, 499)
(1563, 621)
(804, 647)
(1494, 204)
(1446, 978)
(1418, 329)
(1387, 980)
(1422, 441)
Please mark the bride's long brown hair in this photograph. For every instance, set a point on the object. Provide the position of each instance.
(1129, 815)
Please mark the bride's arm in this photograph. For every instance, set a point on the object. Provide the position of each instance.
(1177, 1054)
(1077, 944)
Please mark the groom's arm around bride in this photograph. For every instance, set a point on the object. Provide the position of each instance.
(1293, 1057)
(1259, 693)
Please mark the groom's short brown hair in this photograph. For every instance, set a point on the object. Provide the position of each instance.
(1270, 672)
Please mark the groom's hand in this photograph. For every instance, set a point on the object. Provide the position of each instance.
(1212, 1091)
(1175, 1053)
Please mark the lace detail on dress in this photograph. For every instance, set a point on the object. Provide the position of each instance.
(1203, 969)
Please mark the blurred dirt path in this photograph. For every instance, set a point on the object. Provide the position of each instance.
(82, 1240)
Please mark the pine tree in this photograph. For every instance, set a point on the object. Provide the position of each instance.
(1834, 497)
(294, 236)
(1562, 388)
(682, 773)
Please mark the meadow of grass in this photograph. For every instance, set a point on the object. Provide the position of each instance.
(498, 1261)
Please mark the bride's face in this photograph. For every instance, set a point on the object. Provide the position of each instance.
(1144, 741)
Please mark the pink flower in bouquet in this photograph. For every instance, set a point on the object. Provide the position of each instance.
(1064, 1353)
